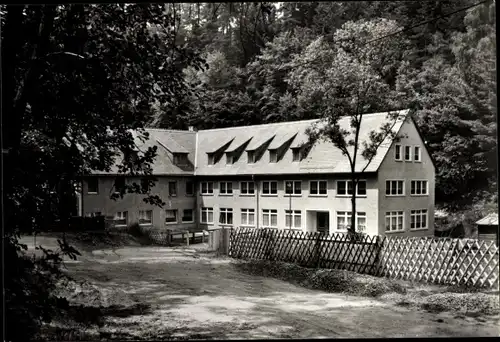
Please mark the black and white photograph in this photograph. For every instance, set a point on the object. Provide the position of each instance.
(249, 170)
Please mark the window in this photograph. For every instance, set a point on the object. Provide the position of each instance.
(273, 156)
(145, 216)
(226, 216)
(180, 159)
(293, 187)
(229, 158)
(248, 217)
(407, 153)
(172, 188)
(344, 220)
(251, 157)
(394, 188)
(119, 184)
(121, 218)
(417, 154)
(211, 158)
(270, 188)
(247, 188)
(317, 187)
(187, 215)
(269, 218)
(171, 216)
(295, 154)
(226, 188)
(93, 214)
(418, 219)
(293, 219)
(345, 188)
(393, 221)
(189, 188)
(419, 187)
(92, 185)
(207, 215)
(207, 188)
(397, 152)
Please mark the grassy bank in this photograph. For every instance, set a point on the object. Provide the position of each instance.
(432, 298)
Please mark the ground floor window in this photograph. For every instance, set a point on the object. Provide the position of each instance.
(145, 216)
(188, 215)
(93, 214)
(269, 218)
(418, 219)
(394, 221)
(248, 217)
(344, 220)
(226, 216)
(293, 219)
(171, 216)
(120, 218)
(207, 215)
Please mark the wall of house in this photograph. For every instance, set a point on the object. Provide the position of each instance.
(308, 204)
(407, 171)
(133, 203)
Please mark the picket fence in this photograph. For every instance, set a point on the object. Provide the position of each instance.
(428, 259)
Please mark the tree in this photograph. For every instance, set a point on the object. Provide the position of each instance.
(349, 79)
(78, 85)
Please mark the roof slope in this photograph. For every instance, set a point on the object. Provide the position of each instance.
(167, 142)
(323, 157)
(491, 219)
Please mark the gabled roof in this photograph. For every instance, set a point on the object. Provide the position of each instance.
(324, 157)
(489, 220)
(167, 141)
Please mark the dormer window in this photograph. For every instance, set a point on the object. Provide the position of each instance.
(229, 158)
(273, 156)
(296, 154)
(180, 159)
(210, 158)
(251, 157)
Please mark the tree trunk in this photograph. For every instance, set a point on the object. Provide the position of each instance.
(352, 228)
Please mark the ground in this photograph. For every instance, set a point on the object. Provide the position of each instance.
(185, 292)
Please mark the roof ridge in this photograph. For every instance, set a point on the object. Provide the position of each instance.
(267, 124)
(169, 130)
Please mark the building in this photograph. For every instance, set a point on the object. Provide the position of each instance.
(487, 228)
(265, 176)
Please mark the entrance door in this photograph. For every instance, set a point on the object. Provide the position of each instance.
(323, 222)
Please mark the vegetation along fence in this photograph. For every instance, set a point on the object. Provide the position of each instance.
(428, 259)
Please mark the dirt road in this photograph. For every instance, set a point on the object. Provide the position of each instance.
(191, 294)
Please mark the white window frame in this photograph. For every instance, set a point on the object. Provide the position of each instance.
(251, 157)
(248, 187)
(93, 214)
(176, 216)
(245, 213)
(114, 183)
(183, 215)
(229, 159)
(97, 186)
(193, 188)
(421, 187)
(414, 213)
(401, 150)
(170, 193)
(346, 215)
(419, 154)
(143, 213)
(318, 187)
(273, 156)
(411, 153)
(225, 212)
(269, 213)
(210, 159)
(347, 194)
(206, 193)
(225, 193)
(390, 188)
(294, 188)
(293, 215)
(296, 155)
(123, 216)
(270, 188)
(207, 211)
(390, 215)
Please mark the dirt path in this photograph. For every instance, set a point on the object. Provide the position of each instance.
(192, 294)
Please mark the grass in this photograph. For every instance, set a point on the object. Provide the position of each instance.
(468, 301)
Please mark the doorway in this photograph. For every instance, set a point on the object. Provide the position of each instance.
(323, 222)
